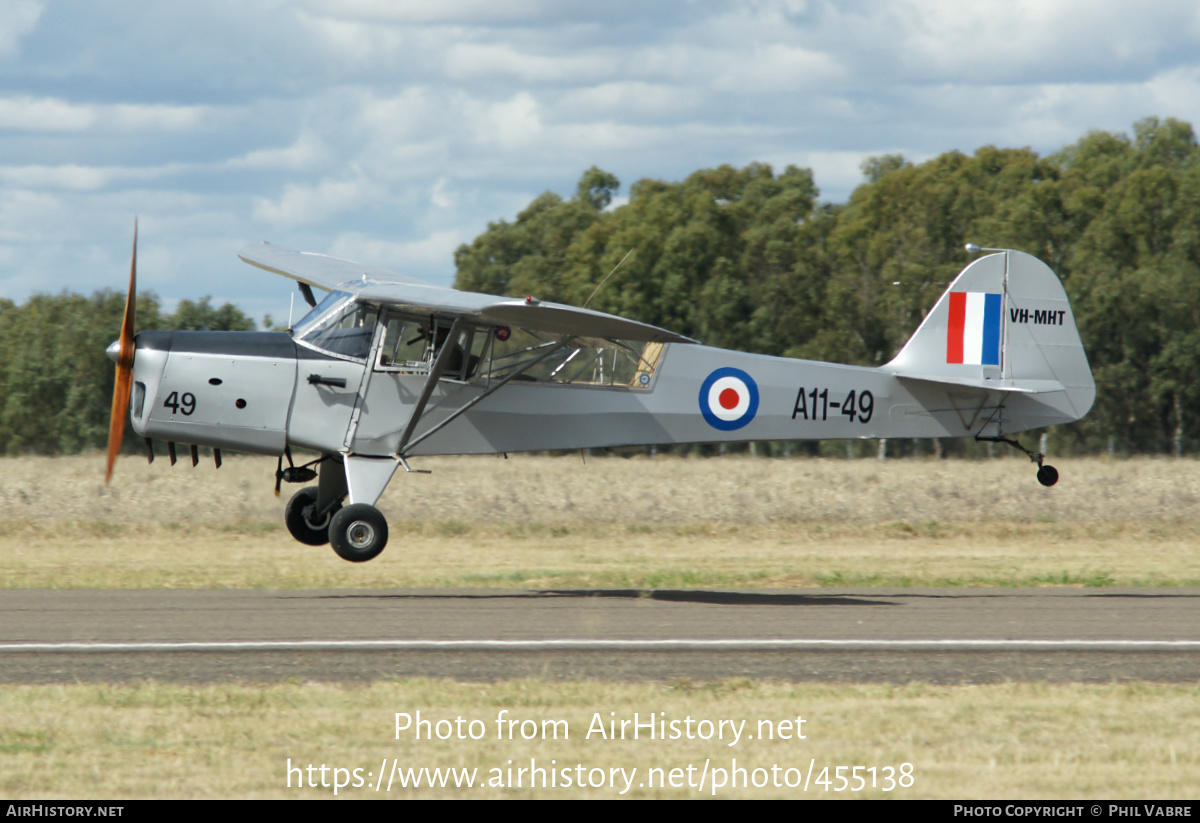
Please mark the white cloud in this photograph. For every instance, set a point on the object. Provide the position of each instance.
(442, 196)
(44, 114)
(357, 42)
(475, 12)
(160, 117)
(17, 19)
(514, 123)
(48, 114)
(775, 67)
(471, 60)
(308, 151)
(73, 177)
(415, 111)
(994, 41)
(301, 205)
(29, 216)
(633, 98)
(346, 122)
(434, 251)
(583, 139)
(1176, 91)
(78, 178)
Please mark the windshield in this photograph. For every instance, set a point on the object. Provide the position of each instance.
(347, 331)
(331, 299)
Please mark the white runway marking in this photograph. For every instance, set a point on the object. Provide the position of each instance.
(596, 645)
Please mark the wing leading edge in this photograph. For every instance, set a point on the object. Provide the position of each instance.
(376, 285)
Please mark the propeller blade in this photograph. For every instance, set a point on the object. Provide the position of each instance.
(124, 382)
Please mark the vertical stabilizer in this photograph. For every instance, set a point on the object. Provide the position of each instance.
(1004, 324)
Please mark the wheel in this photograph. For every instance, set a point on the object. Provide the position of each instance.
(299, 520)
(1047, 475)
(358, 532)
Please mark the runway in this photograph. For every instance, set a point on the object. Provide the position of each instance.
(851, 635)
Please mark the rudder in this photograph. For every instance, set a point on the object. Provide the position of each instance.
(1005, 324)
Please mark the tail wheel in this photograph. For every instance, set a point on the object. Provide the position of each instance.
(358, 532)
(1047, 475)
(302, 524)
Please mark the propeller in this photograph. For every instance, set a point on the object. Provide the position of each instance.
(124, 382)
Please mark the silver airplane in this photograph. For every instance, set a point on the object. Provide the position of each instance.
(386, 367)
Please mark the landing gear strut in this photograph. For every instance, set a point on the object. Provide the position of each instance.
(1046, 475)
(315, 515)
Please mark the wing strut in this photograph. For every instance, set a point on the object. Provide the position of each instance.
(439, 365)
(404, 440)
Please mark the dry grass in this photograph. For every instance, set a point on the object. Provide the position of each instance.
(663, 522)
(538, 521)
(1027, 741)
(633, 491)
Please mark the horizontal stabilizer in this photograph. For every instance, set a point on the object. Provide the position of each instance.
(1024, 386)
(1004, 323)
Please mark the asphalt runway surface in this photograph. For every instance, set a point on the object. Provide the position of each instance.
(850, 635)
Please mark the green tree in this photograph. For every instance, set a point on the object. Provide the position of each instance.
(201, 316)
(745, 259)
(56, 380)
(527, 257)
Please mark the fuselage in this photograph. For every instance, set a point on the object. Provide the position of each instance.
(260, 392)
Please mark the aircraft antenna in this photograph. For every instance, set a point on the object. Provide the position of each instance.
(610, 274)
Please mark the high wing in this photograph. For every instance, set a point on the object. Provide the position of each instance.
(320, 270)
(376, 285)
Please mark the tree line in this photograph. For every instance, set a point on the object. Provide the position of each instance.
(750, 259)
(56, 381)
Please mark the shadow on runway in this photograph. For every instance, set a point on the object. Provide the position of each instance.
(715, 598)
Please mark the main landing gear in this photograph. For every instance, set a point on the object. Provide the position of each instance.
(1046, 475)
(317, 515)
(357, 532)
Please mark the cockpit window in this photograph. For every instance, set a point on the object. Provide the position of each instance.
(411, 344)
(584, 361)
(405, 344)
(348, 331)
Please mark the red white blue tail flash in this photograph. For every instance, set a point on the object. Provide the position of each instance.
(728, 399)
(973, 332)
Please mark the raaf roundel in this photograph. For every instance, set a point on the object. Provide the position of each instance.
(728, 399)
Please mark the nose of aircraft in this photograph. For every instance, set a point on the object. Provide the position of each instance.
(114, 351)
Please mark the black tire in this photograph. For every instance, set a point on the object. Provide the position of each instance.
(358, 532)
(1047, 475)
(297, 517)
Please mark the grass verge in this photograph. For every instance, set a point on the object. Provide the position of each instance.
(1028, 741)
(604, 555)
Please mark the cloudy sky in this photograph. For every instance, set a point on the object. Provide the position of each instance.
(391, 131)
